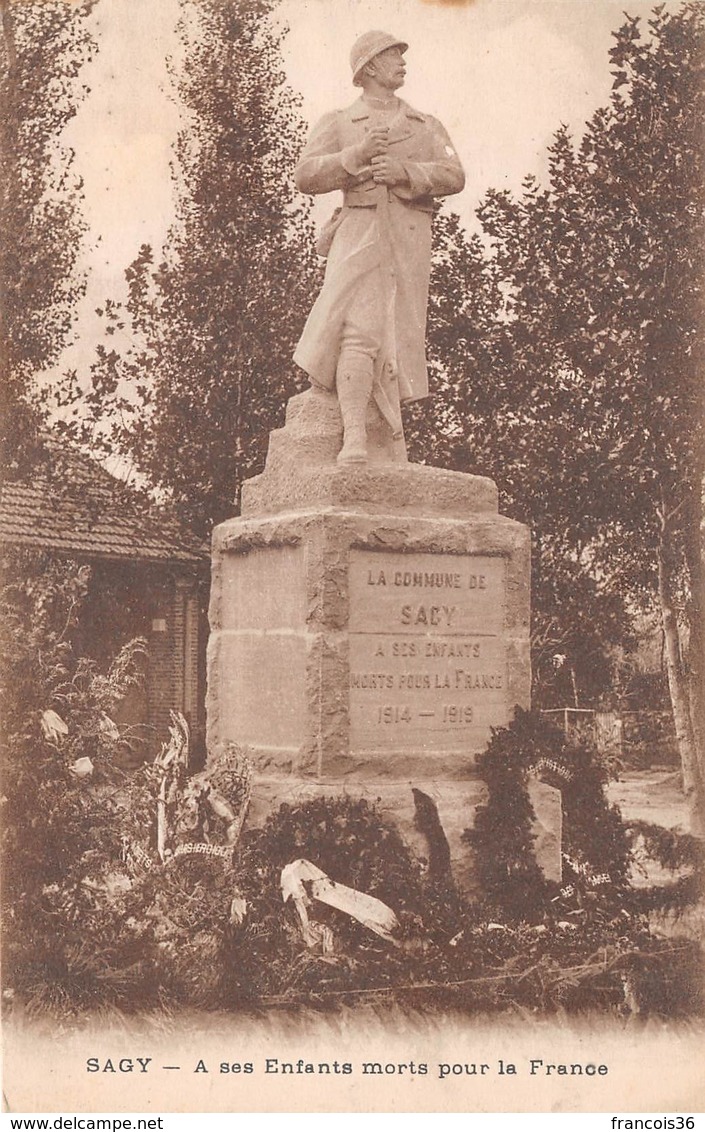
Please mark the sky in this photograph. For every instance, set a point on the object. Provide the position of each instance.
(502, 75)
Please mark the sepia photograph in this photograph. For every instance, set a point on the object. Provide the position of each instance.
(353, 591)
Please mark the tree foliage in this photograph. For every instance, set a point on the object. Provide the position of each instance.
(587, 406)
(215, 322)
(43, 45)
(605, 267)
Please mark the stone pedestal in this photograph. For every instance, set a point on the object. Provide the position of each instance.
(370, 625)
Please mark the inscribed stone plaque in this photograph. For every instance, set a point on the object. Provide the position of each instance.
(427, 653)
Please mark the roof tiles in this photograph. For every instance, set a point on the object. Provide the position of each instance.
(81, 509)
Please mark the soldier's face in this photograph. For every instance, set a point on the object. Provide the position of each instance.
(388, 68)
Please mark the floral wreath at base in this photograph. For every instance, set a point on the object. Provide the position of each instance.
(595, 851)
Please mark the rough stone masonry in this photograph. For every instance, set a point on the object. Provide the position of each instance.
(370, 617)
(370, 625)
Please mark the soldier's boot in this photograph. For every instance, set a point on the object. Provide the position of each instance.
(354, 388)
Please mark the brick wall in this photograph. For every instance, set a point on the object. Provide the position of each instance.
(176, 644)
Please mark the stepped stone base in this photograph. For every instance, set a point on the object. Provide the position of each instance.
(301, 471)
(370, 625)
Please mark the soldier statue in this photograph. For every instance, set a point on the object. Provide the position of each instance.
(365, 336)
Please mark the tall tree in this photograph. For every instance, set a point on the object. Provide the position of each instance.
(594, 407)
(214, 325)
(480, 419)
(43, 45)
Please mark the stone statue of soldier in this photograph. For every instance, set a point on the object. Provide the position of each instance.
(365, 336)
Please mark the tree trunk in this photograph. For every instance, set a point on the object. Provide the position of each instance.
(8, 32)
(574, 686)
(8, 138)
(686, 737)
(693, 541)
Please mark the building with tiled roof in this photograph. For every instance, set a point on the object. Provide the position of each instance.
(149, 578)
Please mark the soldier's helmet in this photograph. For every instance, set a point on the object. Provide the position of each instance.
(369, 45)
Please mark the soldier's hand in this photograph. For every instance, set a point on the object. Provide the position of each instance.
(375, 143)
(388, 171)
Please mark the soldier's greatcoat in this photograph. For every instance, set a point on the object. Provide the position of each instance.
(379, 228)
